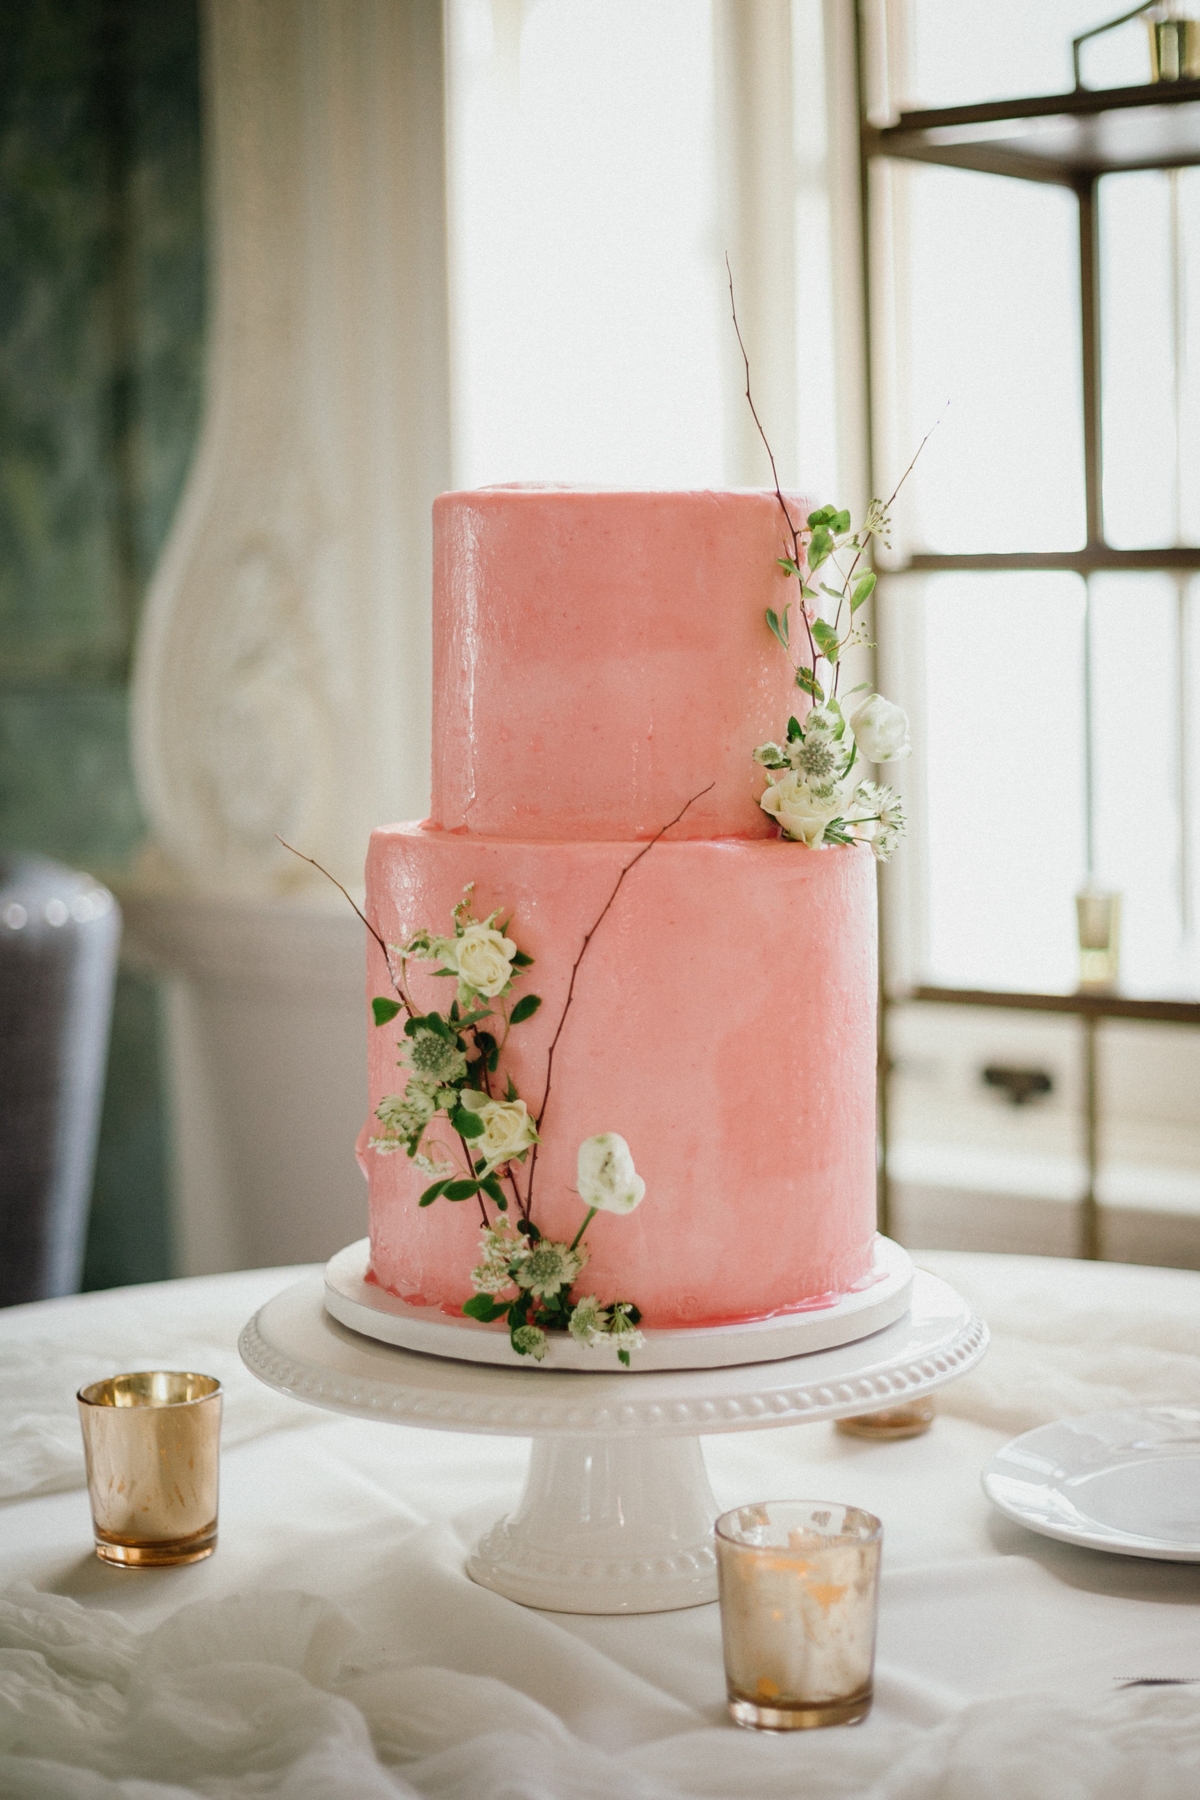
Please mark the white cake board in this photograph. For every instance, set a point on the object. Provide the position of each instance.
(371, 1310)
(617, 1513)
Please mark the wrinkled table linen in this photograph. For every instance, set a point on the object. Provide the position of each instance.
(334, 1646)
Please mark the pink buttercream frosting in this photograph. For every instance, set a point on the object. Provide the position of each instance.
(599, 658)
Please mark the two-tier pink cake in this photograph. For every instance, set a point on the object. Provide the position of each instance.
(599, 658)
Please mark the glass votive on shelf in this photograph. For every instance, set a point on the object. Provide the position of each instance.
(1174, 46)
(799, 1588)
(152, 1444)
(1098, 915)
(905, 1421)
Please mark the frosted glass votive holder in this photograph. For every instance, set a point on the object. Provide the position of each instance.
(152, 1444)
(799, 1588)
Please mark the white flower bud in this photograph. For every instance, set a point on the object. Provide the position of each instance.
(881, 730)
(606, 1176)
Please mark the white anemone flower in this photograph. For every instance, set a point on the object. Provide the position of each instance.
(605, 1176)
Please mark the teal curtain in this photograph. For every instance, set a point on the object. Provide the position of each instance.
(101, 340)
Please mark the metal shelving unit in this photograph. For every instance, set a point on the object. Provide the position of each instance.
(1070, 140)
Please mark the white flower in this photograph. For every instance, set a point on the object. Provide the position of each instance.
(622, 1330)
(432, 1055)
(817, 756)
(879, 818)
(549, 1267)
(481, 958)
(408, 1112)
(508, 1130)
(528, 1340)
(605, 1175)
(589, 1321)
(881, 730)
(434, 1170)
(772, 756)
(502, 1248)
(803, 812)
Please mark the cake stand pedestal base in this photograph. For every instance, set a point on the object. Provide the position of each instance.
(617, 1511)
(606, 1525)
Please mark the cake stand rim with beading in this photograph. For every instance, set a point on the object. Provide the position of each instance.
(616, 1515)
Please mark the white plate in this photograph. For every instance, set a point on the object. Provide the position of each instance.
(370, 1309)
(1122, 1481)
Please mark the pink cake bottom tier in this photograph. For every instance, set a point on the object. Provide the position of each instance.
(723, 1023)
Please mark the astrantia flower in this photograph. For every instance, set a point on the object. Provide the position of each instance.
(434, 1056)
(817, 756)
(622, 1327)
(771, 756)
(880, 818)
(605, 1175)
(881, 730)
(549, 1267)
(409, 1112)
(802, 812)
(528, 1340)
(588, 1322)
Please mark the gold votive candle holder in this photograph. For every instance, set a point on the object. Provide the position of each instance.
(799, 1588)
(152, 1445)
(910, 1419)
(1174, 49)
(1098, 917)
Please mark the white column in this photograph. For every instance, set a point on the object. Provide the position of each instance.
(753, 45)
(282, 679)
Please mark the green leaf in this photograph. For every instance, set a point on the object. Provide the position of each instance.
(484, 1308)
(623, 1357)
(794, 730)
(431, 1193)
(511, 1091)
(525, 1008)
(819, 549)
(788, 565)
(807, 680)
(384, 1010)
(528, 1229)
(779, 625)
(467, 1124)
(863, 590)
(826, 639)
(521, 961)
(460, 1190)
(856, 690)
(491, 1187)
(839, 523)
(823, 516)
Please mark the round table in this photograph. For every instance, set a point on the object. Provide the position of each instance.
(335, 1641)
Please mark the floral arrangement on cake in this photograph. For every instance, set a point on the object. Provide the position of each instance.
(816, 789)
(813, 790)
(471, 1131)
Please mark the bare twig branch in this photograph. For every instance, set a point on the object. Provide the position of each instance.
(395, 981)
(793, 528)
(632, 863)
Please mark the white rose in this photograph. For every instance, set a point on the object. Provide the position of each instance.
(481, 958)
(881, 730)
(802, 813)
(606, 1176)
(507, 1130)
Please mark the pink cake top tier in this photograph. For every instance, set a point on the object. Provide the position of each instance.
(601, 657)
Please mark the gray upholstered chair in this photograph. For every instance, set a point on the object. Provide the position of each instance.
(59, 936)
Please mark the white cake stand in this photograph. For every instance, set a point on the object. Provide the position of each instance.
(617, 1513)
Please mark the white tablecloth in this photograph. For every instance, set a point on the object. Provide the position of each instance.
(334, 1647)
